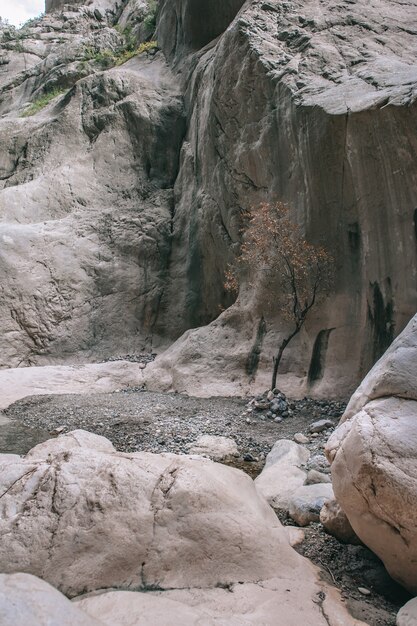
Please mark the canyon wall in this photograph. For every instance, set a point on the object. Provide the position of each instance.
(121, 202)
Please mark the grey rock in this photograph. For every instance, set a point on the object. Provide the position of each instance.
(314, 477)
(336, 523)
(300, 438)
(287, 452)
(320, 425)
(306, 502)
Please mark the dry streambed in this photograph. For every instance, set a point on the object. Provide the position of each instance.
(137, 420)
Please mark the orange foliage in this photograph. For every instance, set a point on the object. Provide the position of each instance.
(274, 250)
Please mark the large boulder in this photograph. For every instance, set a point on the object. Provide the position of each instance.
(243, 604)
(84, 517)
(374, 459)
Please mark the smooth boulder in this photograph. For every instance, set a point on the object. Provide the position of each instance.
(374, 459)
(283, 473)
(83, 517)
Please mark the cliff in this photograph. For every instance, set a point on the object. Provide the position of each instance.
(120, 201)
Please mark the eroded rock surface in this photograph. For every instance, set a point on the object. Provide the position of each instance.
(94, 378)
(374, 459)
(121, 198)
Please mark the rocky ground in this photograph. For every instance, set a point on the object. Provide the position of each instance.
(139, 420)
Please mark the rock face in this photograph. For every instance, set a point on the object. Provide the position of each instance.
(85, 517)
(95, 378)
(54, 5)
(123, 196)
(323, 89)
(374, 459)
(85, 194)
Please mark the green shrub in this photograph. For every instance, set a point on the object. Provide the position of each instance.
(41, 102)
(129, 54)
(150, 18)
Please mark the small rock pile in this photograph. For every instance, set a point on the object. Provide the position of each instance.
(274, 405)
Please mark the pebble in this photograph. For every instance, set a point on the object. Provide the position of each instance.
(364, 591)
(300, 438)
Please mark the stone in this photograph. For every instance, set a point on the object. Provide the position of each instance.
(374, 459)
(314, 477)
(214, 447)
(320, 425)
(306, 502)
(26, 600)
(319, 463)
(300, 438)
(287, 452)
(336, 523)
(364, 591)
(282, 473)
(186, 521)
(295, 535)
(407, 615)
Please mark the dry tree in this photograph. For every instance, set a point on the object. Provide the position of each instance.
(293, 272)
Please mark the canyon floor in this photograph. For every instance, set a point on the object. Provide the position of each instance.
(135, 419)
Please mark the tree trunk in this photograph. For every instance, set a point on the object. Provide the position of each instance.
(278, 358)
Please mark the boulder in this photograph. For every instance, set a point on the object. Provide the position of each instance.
(305, 504)
(28, 601)
(287, 452)
(282, 473)
(374, 459)
(214, 447)
(336, 523)
(320, 425)
(407, 615)
(84, 517)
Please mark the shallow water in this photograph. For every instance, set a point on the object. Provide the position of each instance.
(16, 438)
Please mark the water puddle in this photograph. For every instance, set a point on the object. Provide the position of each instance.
(16, 438)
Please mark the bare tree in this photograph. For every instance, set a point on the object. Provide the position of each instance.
(293, 271)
